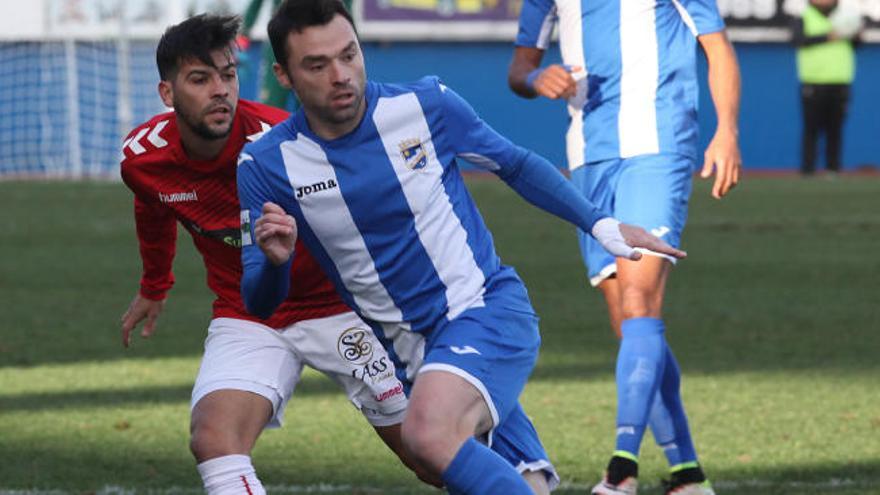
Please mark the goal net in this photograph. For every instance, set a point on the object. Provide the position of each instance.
(75, 77)
(65, 105)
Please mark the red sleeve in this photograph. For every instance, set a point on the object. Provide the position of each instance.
(157, 237)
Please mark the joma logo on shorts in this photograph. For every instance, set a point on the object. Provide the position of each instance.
(304, 191)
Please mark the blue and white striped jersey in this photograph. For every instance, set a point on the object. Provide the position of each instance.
(384, 208)
(640, 92)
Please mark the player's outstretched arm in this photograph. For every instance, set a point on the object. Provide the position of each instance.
(541, 184)
(527, 79)
(722, 157)
(139, 310)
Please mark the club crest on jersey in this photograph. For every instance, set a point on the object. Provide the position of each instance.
(414, 155)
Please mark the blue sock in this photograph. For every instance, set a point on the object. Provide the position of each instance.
(680, 449)
(639, 371)
(662, 426)
(476, 470)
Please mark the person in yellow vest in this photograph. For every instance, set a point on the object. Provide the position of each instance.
(826, 68)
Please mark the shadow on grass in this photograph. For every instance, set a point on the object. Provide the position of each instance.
(310, 385)
(48, 466)
(73, 469)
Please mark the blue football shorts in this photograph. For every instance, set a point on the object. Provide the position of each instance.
(493, 347)
(517, 441)
(651, 191)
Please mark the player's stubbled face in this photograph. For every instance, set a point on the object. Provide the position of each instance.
(326, 68)
(205, 97)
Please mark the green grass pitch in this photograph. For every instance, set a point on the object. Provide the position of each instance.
(775, 318)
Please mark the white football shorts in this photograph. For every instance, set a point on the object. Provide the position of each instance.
(245, 355)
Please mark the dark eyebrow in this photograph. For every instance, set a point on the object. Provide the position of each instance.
(205, 72)
(197, 72)
(309, 59)
(323, 58)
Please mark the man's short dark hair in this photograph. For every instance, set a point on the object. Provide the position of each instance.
(194, 38)
(293, 16)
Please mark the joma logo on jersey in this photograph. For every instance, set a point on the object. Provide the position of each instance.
(316, 187)
(414, 155)
(178, 197)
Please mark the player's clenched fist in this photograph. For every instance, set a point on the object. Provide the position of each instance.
(555, 81)
(275, 233)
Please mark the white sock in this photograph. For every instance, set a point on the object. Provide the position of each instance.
(230, 475)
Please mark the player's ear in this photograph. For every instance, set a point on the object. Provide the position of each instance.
(166, 92)
(281, 75)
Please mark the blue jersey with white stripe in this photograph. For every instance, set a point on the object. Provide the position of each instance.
(384, 208)
(640, 92)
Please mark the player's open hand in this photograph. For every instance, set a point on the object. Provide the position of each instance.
(139, 310)
(622, 239)
(275, 233)
(722, 157)
(556, 81)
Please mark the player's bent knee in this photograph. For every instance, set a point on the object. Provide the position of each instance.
(429, 443)
(205, 444)
(210, 439)
(227, 422)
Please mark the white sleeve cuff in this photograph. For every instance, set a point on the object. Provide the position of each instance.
(607, 232)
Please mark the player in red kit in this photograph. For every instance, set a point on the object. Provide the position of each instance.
(181, 166)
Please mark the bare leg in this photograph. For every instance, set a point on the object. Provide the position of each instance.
(227, 422)
(391, 436)
(225, 425)
(445, 413)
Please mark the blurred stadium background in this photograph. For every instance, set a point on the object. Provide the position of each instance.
(775, 314)
(76, 75)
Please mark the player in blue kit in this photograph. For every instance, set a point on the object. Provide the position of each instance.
(630, 79)
(366, 175)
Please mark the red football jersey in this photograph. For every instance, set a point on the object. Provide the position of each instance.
(201, 195)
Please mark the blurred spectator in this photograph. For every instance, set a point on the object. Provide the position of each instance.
(825, 36)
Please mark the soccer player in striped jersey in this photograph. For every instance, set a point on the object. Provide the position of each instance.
(181, 166)
(629, 76)
(366, 175)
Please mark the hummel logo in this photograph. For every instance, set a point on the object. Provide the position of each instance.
(317, 186)
(464, 350)
(660, 231)
(178, 197)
